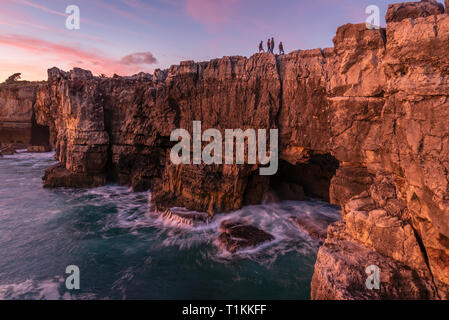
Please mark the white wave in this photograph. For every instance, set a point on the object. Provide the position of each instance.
(24, 155)
(51, 289)
(274, 218)
(33, 290)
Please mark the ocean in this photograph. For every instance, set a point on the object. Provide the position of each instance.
(125, 252)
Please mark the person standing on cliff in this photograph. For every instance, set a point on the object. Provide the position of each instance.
(272, 45)
(281, 48)
(261, 49)
(269, 46)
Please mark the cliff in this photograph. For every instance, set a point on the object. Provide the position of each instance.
(363, 125)
(18, 126)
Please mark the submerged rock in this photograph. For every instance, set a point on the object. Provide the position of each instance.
(238, 235)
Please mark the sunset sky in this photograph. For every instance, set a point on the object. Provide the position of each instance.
(128, 36)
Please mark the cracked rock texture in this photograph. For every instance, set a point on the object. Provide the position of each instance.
(377, 104)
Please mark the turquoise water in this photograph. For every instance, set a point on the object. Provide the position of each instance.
(124, 252)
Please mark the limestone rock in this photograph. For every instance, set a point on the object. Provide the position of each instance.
(182, 218)
(237, 235)
(400, 11)
(340, 274)
(348, 182)
(39, 149)
(59, 176)
(7, 149)
(316, 227)
(16, 113)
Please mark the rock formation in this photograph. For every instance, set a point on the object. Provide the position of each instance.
(18, 128)
(363, 125)
(412, 10)
(238, 235)
(187, 219)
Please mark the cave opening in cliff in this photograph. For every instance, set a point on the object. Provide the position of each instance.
(305, 179)
(40, 134)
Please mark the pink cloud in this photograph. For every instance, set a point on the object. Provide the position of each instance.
(94, 60)
(138, 58)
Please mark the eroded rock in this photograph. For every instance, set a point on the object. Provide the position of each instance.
(316, 226)
(238, 235)
(184, 218)
(340, 274)
(59, 176)
(400, 11)
(39, 149)
(8, 149)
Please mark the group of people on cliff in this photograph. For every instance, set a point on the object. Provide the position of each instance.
(270, 46)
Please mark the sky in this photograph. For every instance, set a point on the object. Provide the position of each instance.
(129, 36)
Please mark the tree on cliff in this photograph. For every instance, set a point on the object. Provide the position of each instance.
(14, 78)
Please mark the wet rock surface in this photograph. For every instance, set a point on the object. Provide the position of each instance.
(7, 149)
(185, 218)
(238, 235)
(58, 176)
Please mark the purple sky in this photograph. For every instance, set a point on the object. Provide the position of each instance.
(128, 36)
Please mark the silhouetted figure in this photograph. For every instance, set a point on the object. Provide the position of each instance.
(272, 45)
(281, 48)
(261, 49)
(269, 46)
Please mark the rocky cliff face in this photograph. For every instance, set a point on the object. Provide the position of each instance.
(18, 126)
(16, 115)
(363, 125)
(402, 217)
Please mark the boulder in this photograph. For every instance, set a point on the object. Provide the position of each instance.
(238, 235)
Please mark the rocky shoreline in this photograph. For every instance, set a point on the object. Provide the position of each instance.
(363, 125)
